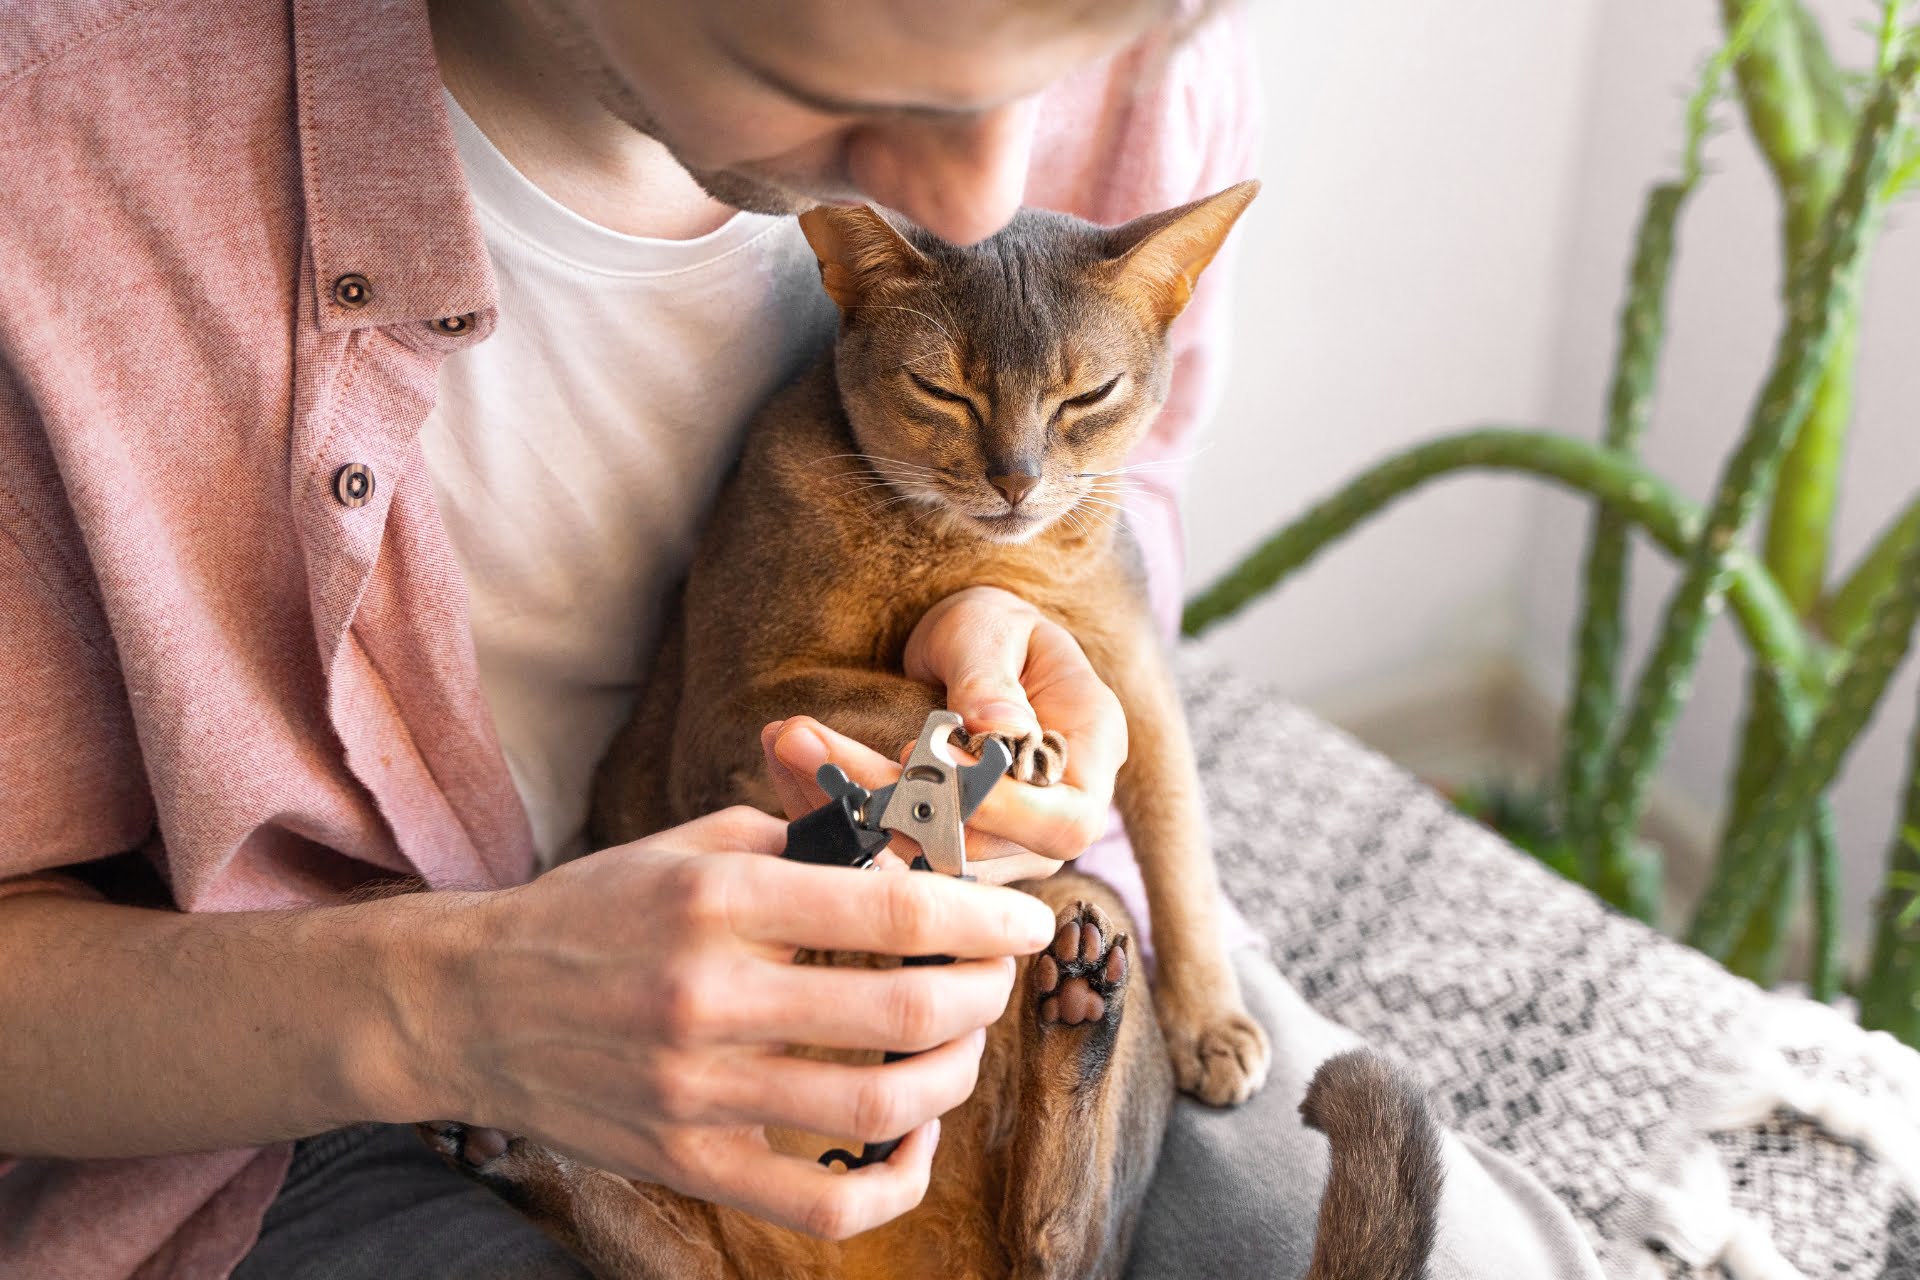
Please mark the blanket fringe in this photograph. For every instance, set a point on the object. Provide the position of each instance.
(1687, 1207)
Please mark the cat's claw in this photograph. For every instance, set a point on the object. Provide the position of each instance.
(1039, 758)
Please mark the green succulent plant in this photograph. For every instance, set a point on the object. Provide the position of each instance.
(1824, 647)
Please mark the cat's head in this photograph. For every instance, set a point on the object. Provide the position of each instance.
(996, 383)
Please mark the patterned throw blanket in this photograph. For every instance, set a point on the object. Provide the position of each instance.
(1697, 1126)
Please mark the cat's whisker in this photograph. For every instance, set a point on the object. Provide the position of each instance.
(1105, 513)
(1152, 464)
(873, 462)
(883, 306)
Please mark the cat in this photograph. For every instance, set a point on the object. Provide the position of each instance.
(967, 429)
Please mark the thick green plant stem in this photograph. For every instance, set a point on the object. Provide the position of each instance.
(1759, 847)
(1602, 630)
(1890, 997)
(1795, 103)
(1771, 631)
(1822, 297)
(1887, 38)
(1892, 41)
(1829, 928)
(1851, 604)
(1772, 730)
(1800, 530)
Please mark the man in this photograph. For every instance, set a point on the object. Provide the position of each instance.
(363, 372)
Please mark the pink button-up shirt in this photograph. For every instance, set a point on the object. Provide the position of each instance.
(227, 228)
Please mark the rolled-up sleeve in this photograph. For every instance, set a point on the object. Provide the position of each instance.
(70, 765)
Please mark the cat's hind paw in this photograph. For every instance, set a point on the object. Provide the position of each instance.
(1039, 758)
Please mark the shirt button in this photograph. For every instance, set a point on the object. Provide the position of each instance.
(353, 292)
(353, 485)
(453, 326)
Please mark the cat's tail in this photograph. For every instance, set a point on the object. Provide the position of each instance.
(1383, 1196)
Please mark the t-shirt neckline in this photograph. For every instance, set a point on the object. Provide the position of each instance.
(543, 225)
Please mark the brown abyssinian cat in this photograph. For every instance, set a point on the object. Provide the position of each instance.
(966, 431)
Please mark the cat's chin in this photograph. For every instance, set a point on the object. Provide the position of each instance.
(1012, 527)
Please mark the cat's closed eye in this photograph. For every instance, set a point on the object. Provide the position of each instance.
(1094, 396)
(1087, 399)
(939, 392)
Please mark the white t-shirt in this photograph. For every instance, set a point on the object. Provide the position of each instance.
(575, 451)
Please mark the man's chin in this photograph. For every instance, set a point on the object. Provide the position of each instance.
(751, 194)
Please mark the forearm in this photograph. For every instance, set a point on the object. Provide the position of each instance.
(134, 1032)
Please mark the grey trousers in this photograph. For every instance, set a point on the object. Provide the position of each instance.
(1236, 1194)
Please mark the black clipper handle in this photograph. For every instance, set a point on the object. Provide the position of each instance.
(877, 1152)
(831, 836)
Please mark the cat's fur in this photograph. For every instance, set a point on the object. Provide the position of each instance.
(967, 431)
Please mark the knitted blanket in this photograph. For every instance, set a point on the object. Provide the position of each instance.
(1695, 1125)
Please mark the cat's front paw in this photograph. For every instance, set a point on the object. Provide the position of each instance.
(1220, 1054)
(1039, 757)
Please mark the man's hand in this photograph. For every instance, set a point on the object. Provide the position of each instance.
(1006, 668)
(633, 1009)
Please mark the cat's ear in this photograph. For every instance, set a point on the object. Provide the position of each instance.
(1159, 257)
(858, 250)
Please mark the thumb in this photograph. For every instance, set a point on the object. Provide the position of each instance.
(979, 655)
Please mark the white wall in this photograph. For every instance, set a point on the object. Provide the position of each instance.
(1398, 272)
(1725, 319)
(1451, 195)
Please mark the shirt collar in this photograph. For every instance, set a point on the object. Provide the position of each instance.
(386, 200)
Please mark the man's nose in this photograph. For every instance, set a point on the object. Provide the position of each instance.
(961, 179)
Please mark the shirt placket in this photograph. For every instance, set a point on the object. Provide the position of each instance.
(389, 606)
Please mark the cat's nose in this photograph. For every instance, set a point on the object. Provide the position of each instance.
(1015, 485)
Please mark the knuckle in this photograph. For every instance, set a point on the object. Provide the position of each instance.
(876, 1111)
(831, 1216)
(1071, 834)
(680, 1006)
(702, 889)
(980, 686)
(673, 1088)
(911, 1012)
(684, 1151)
(910, 911)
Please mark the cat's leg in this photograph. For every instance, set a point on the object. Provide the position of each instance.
(717, 759)
(1220, 1054)
(619, 1230)
(1094, 1089)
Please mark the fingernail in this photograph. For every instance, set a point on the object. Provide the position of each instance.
(1010, 715)
(1035, 927)
(801, 749)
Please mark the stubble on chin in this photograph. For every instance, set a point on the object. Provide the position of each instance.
(734, 187)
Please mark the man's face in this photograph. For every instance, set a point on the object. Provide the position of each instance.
(924, 106)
